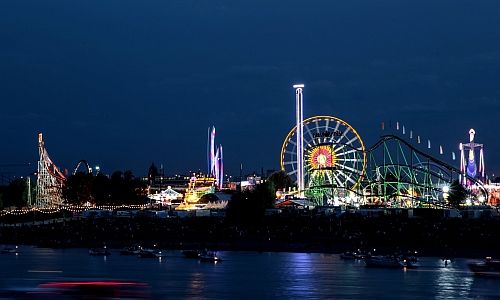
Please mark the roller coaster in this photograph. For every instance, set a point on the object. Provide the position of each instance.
(50, 179)
(399, 174)
(393, 172)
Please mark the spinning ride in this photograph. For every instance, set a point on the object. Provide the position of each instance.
(469, 165)
(334, 159)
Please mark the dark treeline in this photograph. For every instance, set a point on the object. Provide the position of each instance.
(119, 188)
(249, 205)
(81, 188)
(15, 194)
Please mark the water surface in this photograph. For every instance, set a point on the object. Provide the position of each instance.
(245, 275)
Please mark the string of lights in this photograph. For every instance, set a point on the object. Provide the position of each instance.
(67, 207)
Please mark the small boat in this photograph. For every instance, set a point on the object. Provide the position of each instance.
(133, 250)
(489, 267)
(151, 253)
(351, 255)
(99, 252)
(209, 256)
(380, 261)
(161, 254)
(7, 250)
(191, 253)
(410, 262)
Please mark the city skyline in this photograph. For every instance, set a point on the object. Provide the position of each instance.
(128, 85)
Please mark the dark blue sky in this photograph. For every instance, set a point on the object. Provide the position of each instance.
(124, 83)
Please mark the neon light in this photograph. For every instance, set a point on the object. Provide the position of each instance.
(468, 165)
(215, 159)
(322, 157)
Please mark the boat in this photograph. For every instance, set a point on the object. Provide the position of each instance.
(191, 253)
(132, 250)
(8, 250)
(99, 252)
(151, 253)
(409, 259)
(410, 262)
(380, 261)
(489, 267)
(351, 255)
(209, 256)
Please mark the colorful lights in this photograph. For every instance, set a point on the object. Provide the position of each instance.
(65, 207)
(468, 165)
(215, 159)
(322, 157)
(334, 158)
(50, 179)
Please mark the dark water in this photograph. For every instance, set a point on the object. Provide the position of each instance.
(250, 275)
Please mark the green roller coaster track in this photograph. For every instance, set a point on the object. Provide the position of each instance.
(397, 174)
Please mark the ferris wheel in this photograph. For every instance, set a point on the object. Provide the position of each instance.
(334, 157)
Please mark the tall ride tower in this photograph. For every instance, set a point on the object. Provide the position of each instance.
(50, 179)
(300, 138)
(215, 159)
(469, 166)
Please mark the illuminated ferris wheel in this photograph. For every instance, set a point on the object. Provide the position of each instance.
(334, 157)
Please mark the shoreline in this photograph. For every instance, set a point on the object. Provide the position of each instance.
(450, 238)
(221, 248)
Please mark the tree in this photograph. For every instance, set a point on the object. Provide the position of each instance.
(457, 194)
(121, 188)
(152, 172)
(101, 190)
(250, 206)
(280, 180)
(210, 197)
(126, 189)
(78, 189)
(16, 193)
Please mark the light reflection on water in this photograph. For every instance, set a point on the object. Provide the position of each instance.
(250, 275)
(452, 281)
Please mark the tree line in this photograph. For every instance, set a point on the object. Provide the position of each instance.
(118, 189)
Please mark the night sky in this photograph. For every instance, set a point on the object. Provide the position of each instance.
(125, 83)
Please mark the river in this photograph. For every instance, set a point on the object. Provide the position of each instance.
(248, 275)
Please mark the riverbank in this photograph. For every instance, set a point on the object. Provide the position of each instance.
(293, 233)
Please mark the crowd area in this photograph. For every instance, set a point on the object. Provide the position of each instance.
(451, 237)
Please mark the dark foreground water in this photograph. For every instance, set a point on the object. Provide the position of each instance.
(249, 275)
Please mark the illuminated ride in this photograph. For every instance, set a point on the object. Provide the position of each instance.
(50, 180)
(469, 167)
(87, 169)
(334, 159)
(215, 159)
(400, 175)
(391, 173)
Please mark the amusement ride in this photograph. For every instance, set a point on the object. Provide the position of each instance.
(469, 167)
(327, 158)
(331, 165)
(334, 157)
